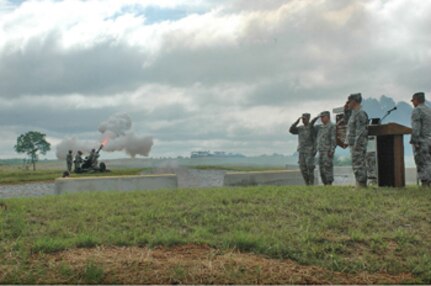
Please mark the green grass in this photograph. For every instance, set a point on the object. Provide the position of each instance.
(339, 228)
(14, 175)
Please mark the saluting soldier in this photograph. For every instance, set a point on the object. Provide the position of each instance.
(421, 138)
(357, 137)
(306, 147)
(326, 144)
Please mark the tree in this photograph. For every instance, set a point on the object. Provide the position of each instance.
(32, 143)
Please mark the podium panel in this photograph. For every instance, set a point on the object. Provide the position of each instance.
(390, 153)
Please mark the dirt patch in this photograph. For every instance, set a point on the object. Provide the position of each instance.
(192, 264)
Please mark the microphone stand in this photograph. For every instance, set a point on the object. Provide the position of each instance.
(387, 114)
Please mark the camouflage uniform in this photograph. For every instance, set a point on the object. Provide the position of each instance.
(326, 143)
(92, 158)
(421, 140)
(69, 161)
(357, 139)
(78, 162)
(306, 150)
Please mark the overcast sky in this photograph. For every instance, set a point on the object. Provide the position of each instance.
(226, 75)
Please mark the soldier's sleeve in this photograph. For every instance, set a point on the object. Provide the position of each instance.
(416, 126)
(361, 127)
(316, 129)
(294, 129)
(347, 114)
(333, 137)
(315, 133)
(313, 121)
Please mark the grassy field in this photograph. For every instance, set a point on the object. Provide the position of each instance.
(16, 175)
(339, 231)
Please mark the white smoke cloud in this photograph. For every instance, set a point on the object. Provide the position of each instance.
(116, 125)
(131, 144)
(73, 144)
(116, 136)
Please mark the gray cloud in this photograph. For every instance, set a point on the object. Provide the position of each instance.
(43, 68)
(61, 120)
(238, 90)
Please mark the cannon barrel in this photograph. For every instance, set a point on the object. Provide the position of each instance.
(100, 148)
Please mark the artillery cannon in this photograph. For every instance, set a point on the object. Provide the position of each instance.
(90, 162)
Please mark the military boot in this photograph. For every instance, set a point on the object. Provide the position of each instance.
(361, 185)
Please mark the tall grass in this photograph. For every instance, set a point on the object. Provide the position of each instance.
(339, 228)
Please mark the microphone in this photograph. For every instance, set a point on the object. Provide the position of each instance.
(388, 112)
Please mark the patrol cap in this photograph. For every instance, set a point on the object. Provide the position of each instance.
(356, 97)
(308, 115)
(325, 113)
(419, 96)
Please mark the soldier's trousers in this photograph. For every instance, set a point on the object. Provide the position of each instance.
(423, 162)
(359, 165)
(326, 167)
(69, 166)
(307, 165)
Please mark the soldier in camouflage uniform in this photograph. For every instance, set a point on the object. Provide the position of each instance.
(306, 147)
(78, 161)
(326, 143)
(421, 138)
(69, 161)
(357, 137)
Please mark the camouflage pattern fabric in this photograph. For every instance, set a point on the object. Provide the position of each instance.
(78, 162)
(307, 165)
(357, 139)
(421, 140)
(69, 161)
(326, 143)
(359, 166)
(306, 150)
(423, 162)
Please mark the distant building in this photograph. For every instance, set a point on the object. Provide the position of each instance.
(200, 154)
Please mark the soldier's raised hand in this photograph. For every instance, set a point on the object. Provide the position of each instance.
(346, 106)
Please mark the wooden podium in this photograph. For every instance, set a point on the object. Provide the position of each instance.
(390, 153)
